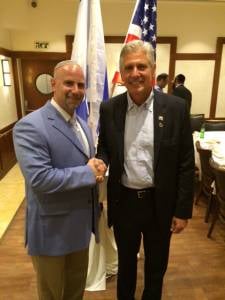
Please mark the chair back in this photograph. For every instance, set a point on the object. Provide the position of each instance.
(214, 125)
(219, 174)
(196, 121)
(206, 170)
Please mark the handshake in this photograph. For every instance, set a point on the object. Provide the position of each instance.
(98, 167)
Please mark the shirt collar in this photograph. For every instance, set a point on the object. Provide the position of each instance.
(148, 104)
(62, 112)
(157, 87)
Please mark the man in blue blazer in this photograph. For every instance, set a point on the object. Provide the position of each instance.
(146, 140)
(55, 152)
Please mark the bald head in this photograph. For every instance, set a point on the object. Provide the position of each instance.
(68, 85)
(66, 64)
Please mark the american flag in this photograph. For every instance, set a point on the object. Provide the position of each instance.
(143, 22)
(142, 26)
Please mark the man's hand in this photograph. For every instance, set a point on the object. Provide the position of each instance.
(98, 167)
(178, 225)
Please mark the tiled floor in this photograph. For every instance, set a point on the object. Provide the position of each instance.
(11, 196)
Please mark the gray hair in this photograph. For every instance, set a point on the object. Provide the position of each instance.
(63, 63)
(135, 46)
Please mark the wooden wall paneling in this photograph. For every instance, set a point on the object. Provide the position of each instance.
(40, 55)
(195, 56)
(35, 63)
(69, 45)
(10, 54)
(120, 39)
(1, 160)
(219, 49)
(172, 41)
(31, 69)
(209, 56)
(5, 52)
(7, 153)
(16, 86)
(198, 57)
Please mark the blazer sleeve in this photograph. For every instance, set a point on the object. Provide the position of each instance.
(185, 193)
(34, 157)
(102, 152)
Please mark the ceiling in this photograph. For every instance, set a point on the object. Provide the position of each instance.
(18, 14)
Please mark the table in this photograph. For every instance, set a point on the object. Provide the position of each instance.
(103, 256)
(214, 141)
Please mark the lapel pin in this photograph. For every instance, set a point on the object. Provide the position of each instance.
(161, 124)
(160, 118)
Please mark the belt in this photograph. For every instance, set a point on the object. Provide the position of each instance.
(139, 194)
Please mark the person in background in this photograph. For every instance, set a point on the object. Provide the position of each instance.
(161, 82)
(181, 91)
(145, 138)
(55, 152)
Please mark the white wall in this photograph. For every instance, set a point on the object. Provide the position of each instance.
(5, 41)
(220, 109)
(196, 24)
(199, 79)
(8, 113)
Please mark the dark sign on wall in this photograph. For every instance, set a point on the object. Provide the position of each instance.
(41, 45)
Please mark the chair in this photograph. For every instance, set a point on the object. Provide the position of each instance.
(214, 125)
(196, 121)
(207, 178)
(219, 212)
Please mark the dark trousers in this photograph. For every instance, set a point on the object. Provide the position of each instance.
(136, 218)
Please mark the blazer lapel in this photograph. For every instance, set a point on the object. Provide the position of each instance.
(120, 108)
(62, 126)
(159, 109)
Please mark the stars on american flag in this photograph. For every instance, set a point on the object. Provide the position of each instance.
(142, 25)
(145, 17)
(146, 6)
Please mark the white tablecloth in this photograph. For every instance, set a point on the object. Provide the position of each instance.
(215, 141)
(103, 256)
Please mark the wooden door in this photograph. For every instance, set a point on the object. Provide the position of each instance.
(31, 69)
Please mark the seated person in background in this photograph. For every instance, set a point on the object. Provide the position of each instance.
(181, 91)
(161, 82)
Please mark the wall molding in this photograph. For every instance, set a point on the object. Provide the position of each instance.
(174, 56)
(5, 52)
(39, 55)
(7, 128)
(219, 49)
(7, 153)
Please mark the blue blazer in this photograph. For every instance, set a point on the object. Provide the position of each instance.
(62, 208)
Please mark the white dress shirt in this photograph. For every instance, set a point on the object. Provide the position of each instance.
(139, 145)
